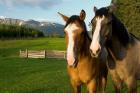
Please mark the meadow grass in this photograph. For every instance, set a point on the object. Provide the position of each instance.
(11, 47)
(21, 75)
(33, 76)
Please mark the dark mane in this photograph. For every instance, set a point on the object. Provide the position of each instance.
(102, 11)
(72, 19)
(133, 36)
(119, 30)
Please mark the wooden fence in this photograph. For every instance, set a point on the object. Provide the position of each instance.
(42, 54)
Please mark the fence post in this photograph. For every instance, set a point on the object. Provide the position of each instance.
(64, 55)
(20, 52)
(26, 53)
(44, 53)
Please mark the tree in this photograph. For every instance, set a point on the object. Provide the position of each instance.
(14, 31)
(128, 12)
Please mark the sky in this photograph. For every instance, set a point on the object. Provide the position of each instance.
(46, 10)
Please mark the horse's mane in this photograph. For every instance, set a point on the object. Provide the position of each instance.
(134, 36)
(119, 30)
(72, 19)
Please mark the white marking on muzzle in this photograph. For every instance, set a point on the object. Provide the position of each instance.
(70, 49)
(95, 45)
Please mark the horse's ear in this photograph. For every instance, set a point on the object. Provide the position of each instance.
(65, 18)
(82, 15)
(112, 8)
(95, 9)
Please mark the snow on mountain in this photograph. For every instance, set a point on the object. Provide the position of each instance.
(48, 28)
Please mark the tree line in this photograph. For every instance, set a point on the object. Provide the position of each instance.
(14, 31)
(128, 12)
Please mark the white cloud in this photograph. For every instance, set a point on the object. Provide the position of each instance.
(45, 4)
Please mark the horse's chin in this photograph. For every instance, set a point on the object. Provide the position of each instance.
(94, 55)
(73, 64)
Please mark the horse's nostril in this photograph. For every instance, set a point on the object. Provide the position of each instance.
(98, 51)
(90, 51)
(92, 54)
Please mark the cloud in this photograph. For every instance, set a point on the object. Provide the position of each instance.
(45, 4)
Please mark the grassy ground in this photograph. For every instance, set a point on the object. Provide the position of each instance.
(35, 75)
(10, 48)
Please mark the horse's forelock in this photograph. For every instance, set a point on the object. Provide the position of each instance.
(102, 11)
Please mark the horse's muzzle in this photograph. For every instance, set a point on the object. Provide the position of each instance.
(75, 64)
(95, 55)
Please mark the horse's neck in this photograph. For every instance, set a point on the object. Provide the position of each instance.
(120, 39)
(116, 49)
(84, 47)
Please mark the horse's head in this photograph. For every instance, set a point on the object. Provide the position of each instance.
(74, 28)
(101, 29)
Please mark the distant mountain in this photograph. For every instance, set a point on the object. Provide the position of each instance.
(48, 28)
(4, 20)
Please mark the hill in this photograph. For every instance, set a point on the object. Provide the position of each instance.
(48, 28)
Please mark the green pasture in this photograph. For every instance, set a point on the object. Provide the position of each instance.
(10, 48)
(19, 75)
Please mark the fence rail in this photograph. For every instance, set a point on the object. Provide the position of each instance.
(42, 54)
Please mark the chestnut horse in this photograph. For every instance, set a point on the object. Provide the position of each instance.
(82, 68)
(123, 48)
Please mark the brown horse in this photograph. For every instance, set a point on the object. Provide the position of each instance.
(123, 48)
(82, 68)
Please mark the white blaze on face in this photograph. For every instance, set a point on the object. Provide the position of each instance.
(70, 49)
(95, 46)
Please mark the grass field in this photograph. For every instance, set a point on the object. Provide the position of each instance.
(19, 75)
(10, 48)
